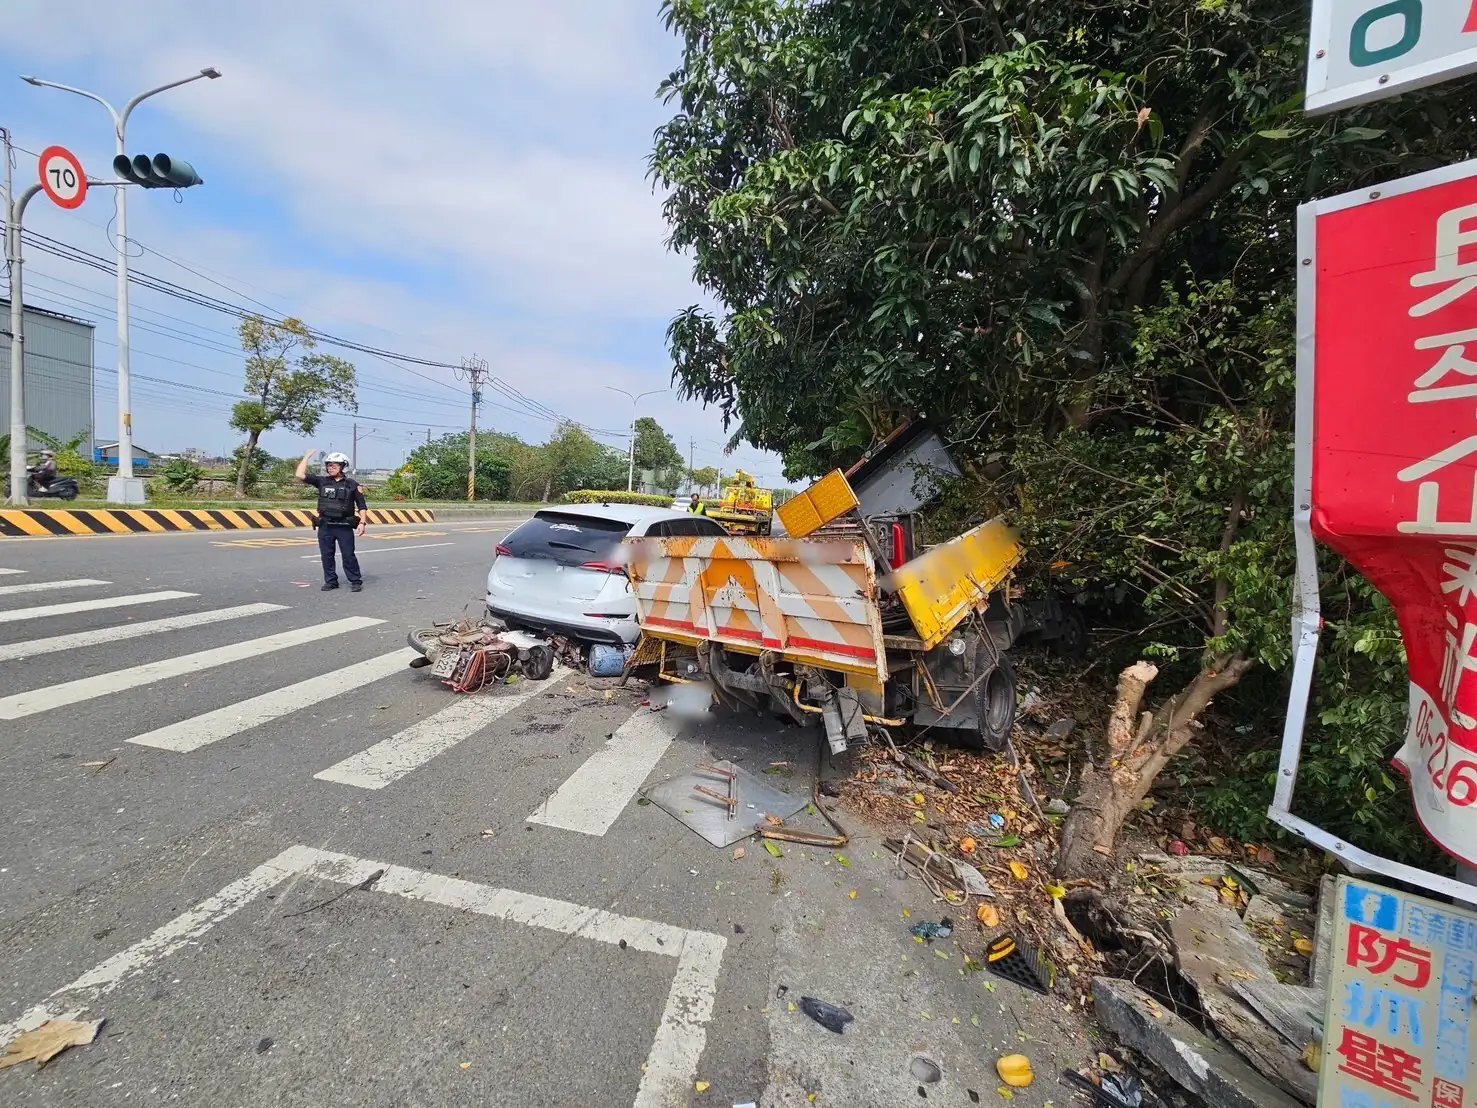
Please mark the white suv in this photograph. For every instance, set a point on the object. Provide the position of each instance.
(559, 573)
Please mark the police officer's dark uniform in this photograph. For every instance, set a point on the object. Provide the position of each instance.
(339, 502)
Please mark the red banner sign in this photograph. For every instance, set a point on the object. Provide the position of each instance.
(1395, 453)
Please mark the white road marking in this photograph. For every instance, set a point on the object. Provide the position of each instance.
(671, 1066)
(388, 761)
(105, 684)
(211, 727)
(91, 605)
(597, 792)
(382, 549)
(47, 586)
(9, 572)
(11, 651)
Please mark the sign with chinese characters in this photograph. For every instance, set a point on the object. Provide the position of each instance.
(1363, 50)
(1390, 284)
(1398, 1027)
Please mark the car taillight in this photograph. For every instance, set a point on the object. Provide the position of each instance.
(605, 567)
(899, 546)
(501, 549)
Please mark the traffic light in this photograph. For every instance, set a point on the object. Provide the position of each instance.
(162, 172)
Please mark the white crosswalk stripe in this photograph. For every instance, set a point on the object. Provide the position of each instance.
(33, 647)
(212, 727)
(10, 572)
(47, 586)
(388, 761)
(595, 794)
(72, 607)
(89, 688)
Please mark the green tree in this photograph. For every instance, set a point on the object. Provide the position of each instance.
(1063, 232)
(705, 479)
(250, 466)
(440, 468)
(655, 449)
(290, 385)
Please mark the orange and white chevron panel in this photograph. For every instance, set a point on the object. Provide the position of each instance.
(815, 602)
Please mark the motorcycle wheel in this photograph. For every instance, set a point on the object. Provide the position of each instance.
(69, 493)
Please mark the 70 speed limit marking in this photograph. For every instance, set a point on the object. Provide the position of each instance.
(62, 177)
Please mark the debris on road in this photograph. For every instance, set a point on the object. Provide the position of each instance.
(925, 1070)
(722, 802)
(47, 1041)
(829, 1016)
(928, 930)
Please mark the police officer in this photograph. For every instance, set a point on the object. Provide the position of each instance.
(339, 501)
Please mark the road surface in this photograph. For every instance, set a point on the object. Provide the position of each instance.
(286, 869)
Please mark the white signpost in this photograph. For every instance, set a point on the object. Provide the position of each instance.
(1363, 50)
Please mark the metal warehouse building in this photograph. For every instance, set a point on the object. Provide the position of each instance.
(59, 375)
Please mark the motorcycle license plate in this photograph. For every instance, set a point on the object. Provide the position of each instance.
(445, 663)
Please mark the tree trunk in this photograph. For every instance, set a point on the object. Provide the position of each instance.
(251, 441)
(548, 489)
(1139, 746)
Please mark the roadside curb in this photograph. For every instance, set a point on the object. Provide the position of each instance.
(63, 523)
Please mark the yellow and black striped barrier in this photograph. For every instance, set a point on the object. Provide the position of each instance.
(51, 522)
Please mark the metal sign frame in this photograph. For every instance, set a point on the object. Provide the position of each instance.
(1381, 84)
(1307, 618)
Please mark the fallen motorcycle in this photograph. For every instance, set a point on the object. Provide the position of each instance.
(471, 654)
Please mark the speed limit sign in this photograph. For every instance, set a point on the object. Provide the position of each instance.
(62, 177)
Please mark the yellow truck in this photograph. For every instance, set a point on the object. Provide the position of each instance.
(846, 621)
(744, 508)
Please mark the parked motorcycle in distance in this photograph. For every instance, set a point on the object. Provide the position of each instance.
(63, 488)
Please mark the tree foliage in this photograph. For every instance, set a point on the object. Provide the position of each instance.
(655, 449)
(289, 384)
(1065, 234)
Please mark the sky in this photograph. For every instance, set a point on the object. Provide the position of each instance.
(438, 178)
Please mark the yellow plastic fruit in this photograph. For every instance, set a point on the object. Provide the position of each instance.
(1015, 1070)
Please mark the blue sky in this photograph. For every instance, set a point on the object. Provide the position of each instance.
(436, 177)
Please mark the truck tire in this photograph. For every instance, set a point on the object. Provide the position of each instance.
(996, 700)
(1072, 641)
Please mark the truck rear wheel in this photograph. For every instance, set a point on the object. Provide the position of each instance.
(997, 702)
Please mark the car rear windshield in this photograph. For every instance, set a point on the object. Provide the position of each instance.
(570, 540)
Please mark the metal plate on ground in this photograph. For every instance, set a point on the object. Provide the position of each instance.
(680, 799)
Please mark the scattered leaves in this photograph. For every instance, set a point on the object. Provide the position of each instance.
(1019, 871)
(987, 915)
(773, 850)
(738, 853)
(967, 845)
(702, 1086)
(1303, 947)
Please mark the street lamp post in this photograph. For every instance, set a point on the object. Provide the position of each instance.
(635, 399)
(125, 488)
(14, 210)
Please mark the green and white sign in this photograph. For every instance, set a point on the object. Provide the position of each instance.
(1363, 50)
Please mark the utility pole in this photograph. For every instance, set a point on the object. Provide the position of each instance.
(354, 451)
(473, 371)
(635, 399)
(15, 210)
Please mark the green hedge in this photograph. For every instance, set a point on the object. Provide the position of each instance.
(595, 496)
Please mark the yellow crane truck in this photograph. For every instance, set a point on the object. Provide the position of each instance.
(848, 622)
(744, 509)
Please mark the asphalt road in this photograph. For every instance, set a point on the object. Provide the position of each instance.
(286, 869)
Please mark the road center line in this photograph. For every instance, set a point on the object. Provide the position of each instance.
(47, 586)
(122, 631)
(381, 549)
(595, 794)
(100, 603)
(210, 727)
(388, 761)
(104, 684)
(680, 1038)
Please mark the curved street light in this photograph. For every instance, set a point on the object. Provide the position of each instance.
(635, 398)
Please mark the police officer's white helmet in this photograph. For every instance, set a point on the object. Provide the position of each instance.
(341, 459)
